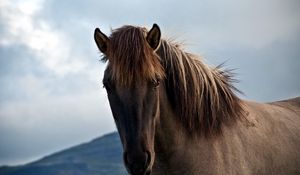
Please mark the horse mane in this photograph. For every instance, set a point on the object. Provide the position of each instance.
(202, 96)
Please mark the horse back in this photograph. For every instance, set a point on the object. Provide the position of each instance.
(275, 136)
(293, 102)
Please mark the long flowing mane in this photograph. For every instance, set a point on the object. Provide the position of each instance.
(202, 96)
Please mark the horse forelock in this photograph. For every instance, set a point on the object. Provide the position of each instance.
(130, 58)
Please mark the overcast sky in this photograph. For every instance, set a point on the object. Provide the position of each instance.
(51, 95)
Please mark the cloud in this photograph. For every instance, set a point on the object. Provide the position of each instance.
(50, 46)
(48, 121)
(204, 24)
(251, 24)
(51, 95)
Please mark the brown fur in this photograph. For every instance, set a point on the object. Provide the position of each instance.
(269, 146)
(163, 126)
(202, 95)
(131, 59)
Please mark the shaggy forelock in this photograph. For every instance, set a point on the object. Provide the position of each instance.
(131, 59)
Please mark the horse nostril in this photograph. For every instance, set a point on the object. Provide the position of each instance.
(137, 168)
(137, 163)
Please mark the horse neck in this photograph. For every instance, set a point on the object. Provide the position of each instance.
(167, 124)
(168, 127)
(172, 141)
(176, 152)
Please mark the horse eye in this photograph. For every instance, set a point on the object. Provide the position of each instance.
(156, 83)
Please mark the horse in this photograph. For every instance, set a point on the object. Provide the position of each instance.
(177, 115)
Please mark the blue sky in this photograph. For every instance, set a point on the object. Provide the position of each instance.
(51, 95)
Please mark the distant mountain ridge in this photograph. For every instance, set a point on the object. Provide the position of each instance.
(101, 156)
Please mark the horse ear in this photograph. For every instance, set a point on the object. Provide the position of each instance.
(101, 40)
(153, 37)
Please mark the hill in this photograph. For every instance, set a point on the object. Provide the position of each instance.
(102, 156)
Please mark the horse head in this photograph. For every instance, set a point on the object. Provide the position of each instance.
(132, 80)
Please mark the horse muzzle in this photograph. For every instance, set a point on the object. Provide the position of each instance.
(138, 163)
